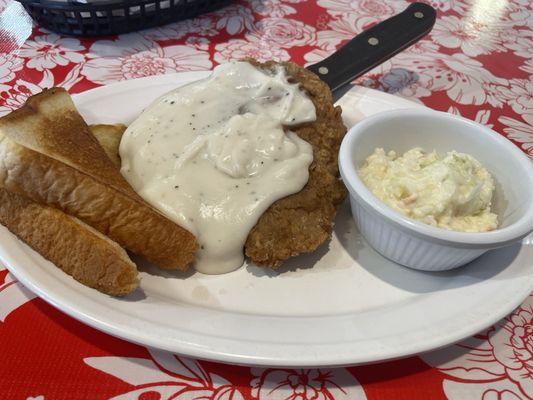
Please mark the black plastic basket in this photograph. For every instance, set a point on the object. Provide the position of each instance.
(102, 17)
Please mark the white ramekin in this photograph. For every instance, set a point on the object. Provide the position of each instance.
(415, 244)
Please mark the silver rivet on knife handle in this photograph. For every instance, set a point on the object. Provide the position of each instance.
(373, 41)
(323, 70)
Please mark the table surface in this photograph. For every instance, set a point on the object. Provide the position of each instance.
(477, 62)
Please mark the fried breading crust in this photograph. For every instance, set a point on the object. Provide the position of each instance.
(301, 222)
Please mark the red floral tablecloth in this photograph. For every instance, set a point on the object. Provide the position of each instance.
(477, 62)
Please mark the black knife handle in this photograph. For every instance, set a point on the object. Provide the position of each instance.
(375, 45)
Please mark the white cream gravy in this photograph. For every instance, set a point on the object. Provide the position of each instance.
(213, 156)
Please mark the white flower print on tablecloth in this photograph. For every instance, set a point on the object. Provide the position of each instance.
(238, 49)
(464, 79)
(322, 22)
(305, 384)
(520, 41)
(500, 395)
(9, 65)
(424, 46)
(482, 116)
(282, 32)
(514, 13)
(380, 9)
(340, 29)
(132, 56)
(497, 361)
(316, 55)
(18, 92)
(271, 8)
(527, 66)
(473, 39)
(12, 294)
(499, 390)
(338, 7)
(51, 50)
(520, 131)
(519, 95)
(234, 19)
(165, 376)
(459, 6)
(199, 42)
(203, 26)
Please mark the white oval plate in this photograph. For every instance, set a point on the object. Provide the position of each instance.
(343, 304)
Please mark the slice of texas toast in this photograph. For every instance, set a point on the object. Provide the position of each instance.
(48, 154)
(76, 248)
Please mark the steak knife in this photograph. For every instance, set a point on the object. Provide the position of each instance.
(374, 46)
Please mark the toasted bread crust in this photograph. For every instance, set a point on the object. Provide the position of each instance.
(48, 154)
(301, 222)
(49, 123)
(109, 138)
(76, 248)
